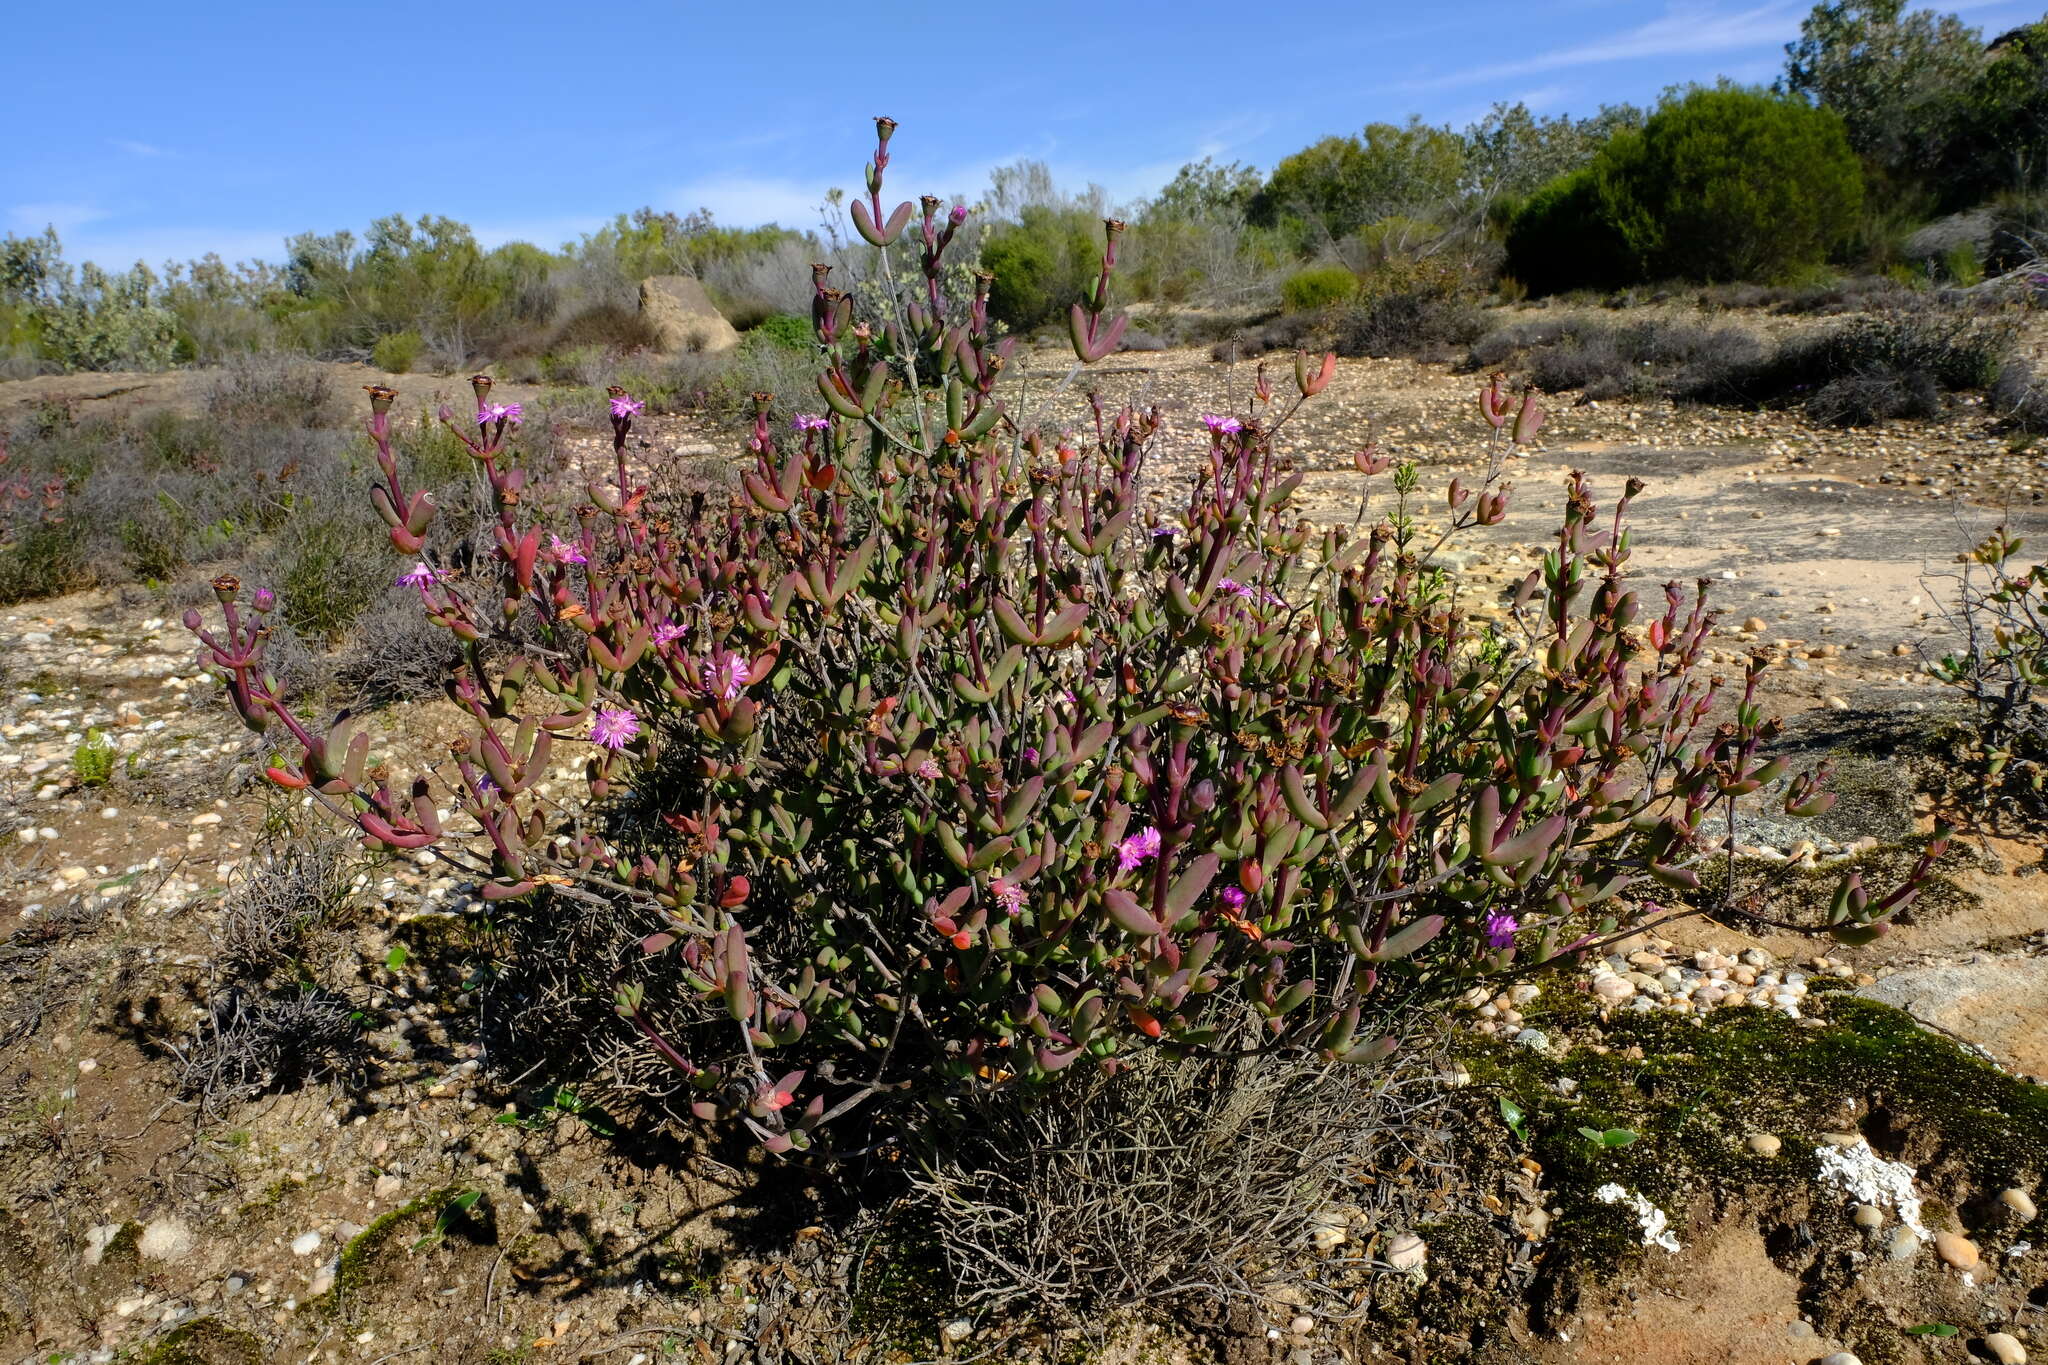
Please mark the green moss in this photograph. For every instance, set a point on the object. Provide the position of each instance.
(1699, 1089)
(205, 1341)
(902, 1287)
(358, 1263)
(124, 1247)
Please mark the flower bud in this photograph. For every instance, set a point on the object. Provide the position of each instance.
(381, 396)
(480, 384)
(884, 128)
(226, 587)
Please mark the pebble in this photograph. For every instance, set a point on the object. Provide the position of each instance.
(959, 1329)
(1842, 1358)
(305, 1244)
(1956, 1250)
(1407, 1252)
(2006, 1348)
(1904, 1245)
(1764, 1144)
(165, 1239)
(1302, 1326)
(2020, 1202)
(1868, 1216)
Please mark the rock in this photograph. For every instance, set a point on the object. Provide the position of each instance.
(2005, 1348)
(166, 1239)
(305, 1244)
(1302, 1326)
(1763, 1144)
(1956, 1250)
(1905, 1245)
(1995, 1002)
(2020, 1202)
(959, 1329)
(1842, 1358)
(681, 314)
(1407, 1252)
(387, 1186)
(1868, 1216)
(97, 1240)
(1613, 989)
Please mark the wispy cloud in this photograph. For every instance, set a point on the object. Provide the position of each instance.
(142, 149)
(746, 200)
(63, 215)
(1691, 29)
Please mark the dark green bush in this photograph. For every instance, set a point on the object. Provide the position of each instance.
(1720, 184)
(1318, 286)
(1041, 263)
(785, 329)
(397, 352)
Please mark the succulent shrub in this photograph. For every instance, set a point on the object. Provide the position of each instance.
(2001, 666)
(948, 756)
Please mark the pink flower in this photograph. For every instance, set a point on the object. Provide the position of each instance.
(421, 575)
(565, 551)
(1008, 894)
(725, 675)
(1500, 930)
(626, 406)
(1221, 426)
(928, 770)
(808, 421)
(668, 632)
(1138, 849)
(1031, 753)
(498, 412)
(614, 729)
(1234, 898)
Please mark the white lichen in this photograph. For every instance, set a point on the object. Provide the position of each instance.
(1656, 1227)
(1868, 1178)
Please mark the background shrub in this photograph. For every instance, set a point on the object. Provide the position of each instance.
(1719, 184)
(397, 352)
(1318, 286)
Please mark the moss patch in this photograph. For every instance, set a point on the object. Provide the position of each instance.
(360, 1260)
(205, 1341)
(1693, 1092)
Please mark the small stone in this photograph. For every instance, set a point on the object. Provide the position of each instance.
(305, 1244)
(2006, 1348)
(2020, 1202)
(1764, 1144)
(1905, 1244)
(959, 1329)
(1613, 989)
(1868, 1216)
(166, 1239)
(1842, 1358)
(1302, 1326)
(387, 1186)
(1956, 1250)
(1407, 1252)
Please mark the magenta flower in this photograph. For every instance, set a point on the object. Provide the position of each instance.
(498, 412)
(421, 575)
(1234, 898)
(565, 551)
(668, 632)
(1500, 930)
(928, 770)
(1031, 753)
(725, 675)
(1138, 849)
(265, 599)
(808, 421)
(1221, 426)
(625, 405)
(1008, 895)
(614, 729)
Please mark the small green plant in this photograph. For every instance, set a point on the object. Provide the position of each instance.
(1960, 265)
(2001, 610)
(1514, 1117)
(1319, 286)
(92, 762)
(564, 1103)
(1608, 1137)
(452, 1213)
(785, 329)
(397, 352)
(1934, 1329)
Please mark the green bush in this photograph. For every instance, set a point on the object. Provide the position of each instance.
(1317, 287)
(1721, 184)
(1041, 264)
(92, 761)
(396, 352)
(785, 329)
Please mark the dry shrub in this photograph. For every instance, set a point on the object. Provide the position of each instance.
(1176, 1176)
(272, 1020)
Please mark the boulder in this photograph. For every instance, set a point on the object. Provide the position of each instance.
(682, 315)
(1997, 1003)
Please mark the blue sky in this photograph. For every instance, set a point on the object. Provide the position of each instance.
(224, 125)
